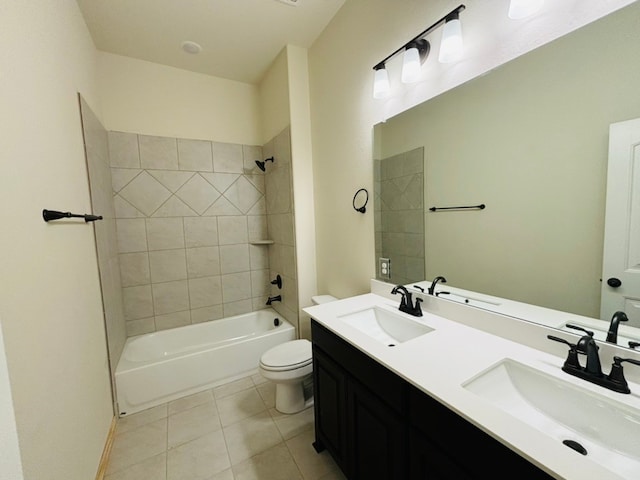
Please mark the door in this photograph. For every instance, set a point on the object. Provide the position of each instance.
(329, 385)
(621, 259)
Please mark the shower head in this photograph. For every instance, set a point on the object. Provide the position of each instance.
(261, 165)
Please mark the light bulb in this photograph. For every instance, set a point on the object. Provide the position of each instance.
(451, 46)
(380, 83)
(411, 65)
(523, 8)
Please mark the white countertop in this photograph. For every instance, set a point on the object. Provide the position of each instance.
(440, 362)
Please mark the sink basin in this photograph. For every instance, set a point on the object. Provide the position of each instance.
(606, 429)
(385, 326)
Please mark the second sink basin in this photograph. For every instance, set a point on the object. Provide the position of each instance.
(606, 430)
(385, 326)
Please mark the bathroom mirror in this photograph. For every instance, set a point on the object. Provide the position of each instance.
(530, 141)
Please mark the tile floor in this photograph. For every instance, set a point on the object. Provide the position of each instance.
(232, 432)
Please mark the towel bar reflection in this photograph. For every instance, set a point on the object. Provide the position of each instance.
(482, 206)
(49, 215)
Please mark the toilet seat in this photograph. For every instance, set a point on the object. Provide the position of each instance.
(287, 356)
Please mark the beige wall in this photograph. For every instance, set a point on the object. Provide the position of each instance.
(144, 97)
(50, 304)
(530, 140)
(301, 150)
(274, 99)
(10, 463)
(344, 112)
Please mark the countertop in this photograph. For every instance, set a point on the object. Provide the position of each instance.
(440, 362)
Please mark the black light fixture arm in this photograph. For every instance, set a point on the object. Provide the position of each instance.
(449, 16)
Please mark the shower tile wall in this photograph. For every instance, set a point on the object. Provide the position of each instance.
(97, 158)
(280, 223)
(399, 215)
(187, 212)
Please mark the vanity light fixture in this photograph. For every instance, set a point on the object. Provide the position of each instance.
(451, 46)
(415, 54)
(417, 49)
(381, 86)
(524, 8)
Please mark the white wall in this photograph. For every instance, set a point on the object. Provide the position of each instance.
(50, 304)
(152, 99)
(344, 112)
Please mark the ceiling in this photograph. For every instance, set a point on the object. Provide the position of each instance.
(239, 38)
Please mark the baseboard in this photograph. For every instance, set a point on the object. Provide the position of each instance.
(106, 453)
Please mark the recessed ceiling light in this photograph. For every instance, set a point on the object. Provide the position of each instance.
(191, 47)
(293, 3)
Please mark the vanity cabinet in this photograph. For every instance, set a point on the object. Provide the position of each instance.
(377, 425)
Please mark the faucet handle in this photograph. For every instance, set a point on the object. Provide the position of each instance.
(417, 311)
(576, 327)
(634, 344)
(572, 361)
(617, 373)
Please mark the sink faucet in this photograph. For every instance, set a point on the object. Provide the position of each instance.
(612, 334)
(432, 288)
(592, 372)
(406, 304)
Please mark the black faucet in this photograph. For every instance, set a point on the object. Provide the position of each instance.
(406, 304)
(277, 298)
(612, 334)
(432, 288)
(592, 372)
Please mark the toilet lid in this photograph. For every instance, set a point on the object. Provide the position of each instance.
(295, 353)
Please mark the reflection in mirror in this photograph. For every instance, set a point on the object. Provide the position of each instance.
(530, 140)
(399, 218)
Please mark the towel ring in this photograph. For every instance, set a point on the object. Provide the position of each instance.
(362, 208)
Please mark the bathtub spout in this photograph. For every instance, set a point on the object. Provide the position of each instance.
(277, 298)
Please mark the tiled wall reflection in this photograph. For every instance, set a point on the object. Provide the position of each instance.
(187, 212)
(399, 215)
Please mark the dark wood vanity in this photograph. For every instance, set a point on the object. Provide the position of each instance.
(376, 425)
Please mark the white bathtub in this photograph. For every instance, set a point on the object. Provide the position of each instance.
(159, 367)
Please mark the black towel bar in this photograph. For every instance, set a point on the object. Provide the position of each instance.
(482, 206)
(49, 215)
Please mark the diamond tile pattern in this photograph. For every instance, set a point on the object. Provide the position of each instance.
(242, 194)
(187, 212)
(198, 194)
(145, 193)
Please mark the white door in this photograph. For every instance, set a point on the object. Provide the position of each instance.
(621, 263)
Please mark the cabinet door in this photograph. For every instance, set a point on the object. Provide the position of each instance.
(330, 406)
(376, 437)
(428, 462)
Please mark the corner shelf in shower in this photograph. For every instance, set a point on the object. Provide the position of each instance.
(262, 242)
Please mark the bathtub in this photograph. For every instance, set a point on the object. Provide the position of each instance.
(159, 367)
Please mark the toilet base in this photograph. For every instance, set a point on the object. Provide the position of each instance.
(290, 398)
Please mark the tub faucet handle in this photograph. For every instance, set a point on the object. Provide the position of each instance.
(277, 281)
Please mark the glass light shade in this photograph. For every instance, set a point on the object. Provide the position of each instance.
(380, 83)
(451, 45)
(411, 65)
(523, 8)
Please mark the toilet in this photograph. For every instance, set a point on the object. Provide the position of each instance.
(290, 365)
